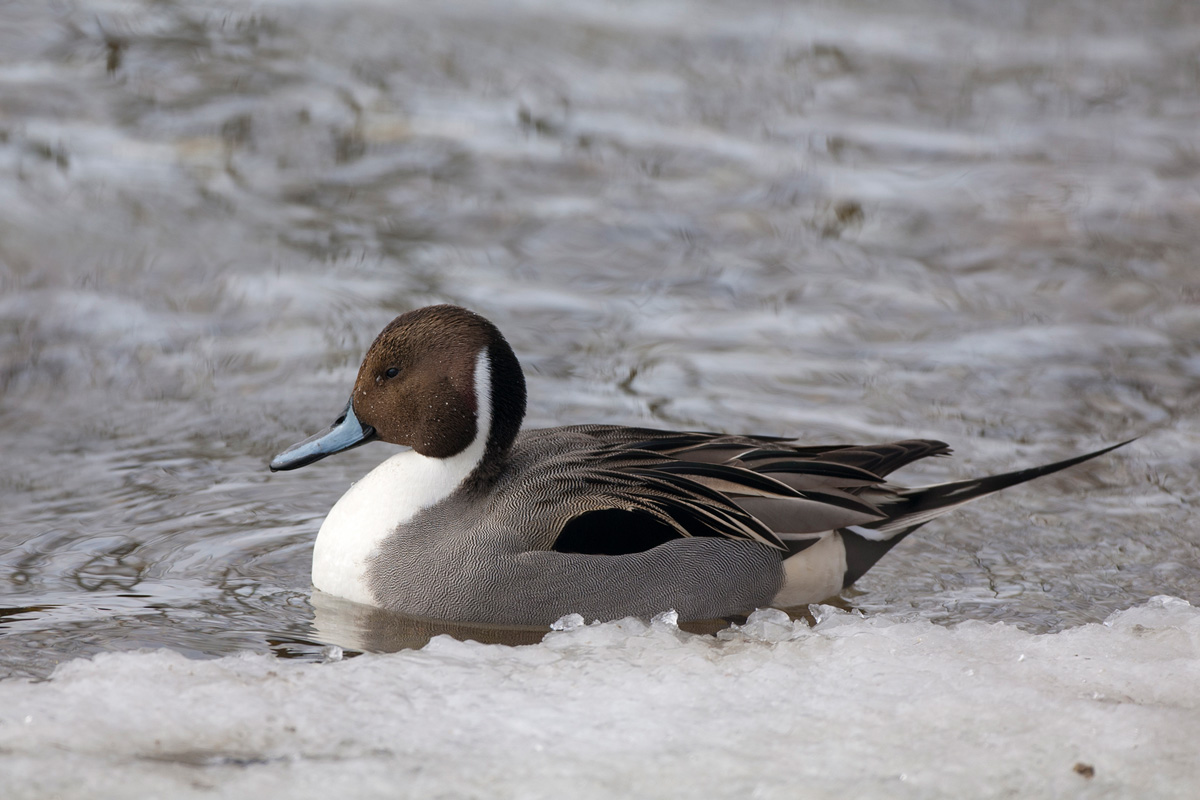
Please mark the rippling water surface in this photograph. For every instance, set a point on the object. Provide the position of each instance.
(846, 222)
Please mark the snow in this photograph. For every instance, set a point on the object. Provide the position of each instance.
(851, 707)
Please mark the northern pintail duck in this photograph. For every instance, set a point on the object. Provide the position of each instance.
(479, 521)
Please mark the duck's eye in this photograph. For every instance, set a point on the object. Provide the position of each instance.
(392, 372)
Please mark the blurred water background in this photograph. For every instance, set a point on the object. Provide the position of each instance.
(846, 222)
(851, 221)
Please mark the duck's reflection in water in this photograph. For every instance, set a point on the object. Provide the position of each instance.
(354, 626)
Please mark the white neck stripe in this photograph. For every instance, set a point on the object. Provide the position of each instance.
(483, 404)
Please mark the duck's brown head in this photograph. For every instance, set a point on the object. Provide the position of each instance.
(434, 380)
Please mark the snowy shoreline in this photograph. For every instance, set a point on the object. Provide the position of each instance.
(635, 709)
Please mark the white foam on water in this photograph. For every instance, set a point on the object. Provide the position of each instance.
(861, 707)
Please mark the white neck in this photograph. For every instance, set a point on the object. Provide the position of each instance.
(390, 496)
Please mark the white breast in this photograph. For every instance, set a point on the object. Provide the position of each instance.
(389, 496)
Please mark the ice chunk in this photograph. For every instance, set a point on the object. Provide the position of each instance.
(568, 623)
(766, 625)
(668, 618)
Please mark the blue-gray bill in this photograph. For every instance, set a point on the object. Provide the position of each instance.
(345, 433)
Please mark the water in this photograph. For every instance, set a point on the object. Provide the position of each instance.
(954, 220)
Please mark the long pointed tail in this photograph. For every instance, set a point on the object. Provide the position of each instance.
(912, 508)
(919, 505)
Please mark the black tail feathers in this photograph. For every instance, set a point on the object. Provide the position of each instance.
(866, 544)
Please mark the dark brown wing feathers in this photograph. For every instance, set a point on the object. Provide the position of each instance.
(764, 489)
